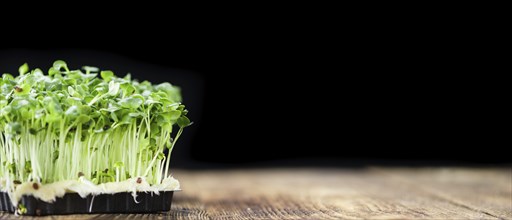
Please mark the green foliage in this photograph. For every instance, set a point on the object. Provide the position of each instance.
(70, 122)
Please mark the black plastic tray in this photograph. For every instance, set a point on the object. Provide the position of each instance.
(72, 203)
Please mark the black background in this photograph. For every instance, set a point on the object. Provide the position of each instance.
(281, 98)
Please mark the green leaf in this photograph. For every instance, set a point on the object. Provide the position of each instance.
(85, 109)
(13, 128)
(107, 75)
(183, 121)
(22, 89)
(72, 111)
(23, 69)
(53, 118)
(114, 116)
(171, 107)
(52, 71)
(126, 119)
(83, 119)
(89, 77)
(167, 126)
(71, 91)
(131, 103)
(37, 72)
(89, 69)
(155, 129)
(137, 114)
(173, 92)
(32, 131)
(127, 89)
(113, 88)
(75, 74)
(20, 102)
(59, 64)
(52, 105)
(25, 114)
(151, 102)
(73, 101)
(161, 120)
(128, 77)
(172, 115)
(112, 108)
(7, 77)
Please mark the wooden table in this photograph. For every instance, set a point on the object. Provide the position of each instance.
(371, 193)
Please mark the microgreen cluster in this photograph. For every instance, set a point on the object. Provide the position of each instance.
(91, 123)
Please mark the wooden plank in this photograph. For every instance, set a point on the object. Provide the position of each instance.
(375, 193)
(323, 194)
(487, 191)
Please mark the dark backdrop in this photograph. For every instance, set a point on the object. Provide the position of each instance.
(267, 100)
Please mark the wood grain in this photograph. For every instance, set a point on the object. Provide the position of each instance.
(371, 193)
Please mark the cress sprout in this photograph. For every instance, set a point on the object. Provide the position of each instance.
(91, 123)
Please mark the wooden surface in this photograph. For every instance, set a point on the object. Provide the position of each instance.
(372, 193)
